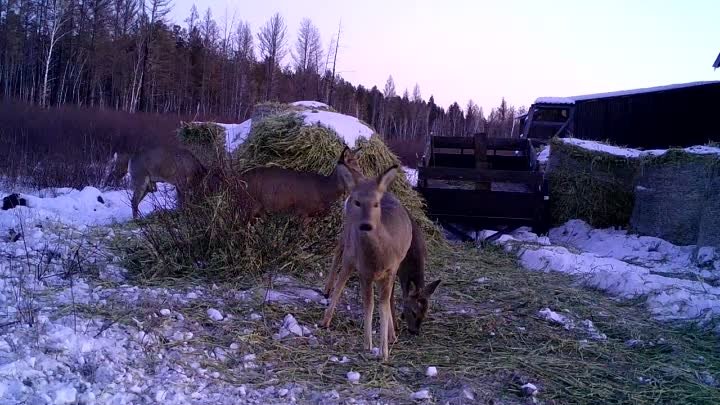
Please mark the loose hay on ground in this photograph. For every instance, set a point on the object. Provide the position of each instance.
(498, 344)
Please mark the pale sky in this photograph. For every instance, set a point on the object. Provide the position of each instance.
(520, 49)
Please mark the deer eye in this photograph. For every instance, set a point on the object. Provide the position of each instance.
(376, 205)
(357, 203)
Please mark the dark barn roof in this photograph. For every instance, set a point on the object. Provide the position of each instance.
(655, 117)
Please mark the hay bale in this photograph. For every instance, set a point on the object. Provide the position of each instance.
(674, 199)
(594, 186)
(206, 140)
(709, 230)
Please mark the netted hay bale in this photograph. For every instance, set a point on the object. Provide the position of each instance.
(596, 187)
(709, 232)
(206, 140)
(674, 194)
(212, 241)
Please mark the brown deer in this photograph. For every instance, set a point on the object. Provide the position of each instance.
(415, 295)
(376, 236)
(269, 190)
(170, 164)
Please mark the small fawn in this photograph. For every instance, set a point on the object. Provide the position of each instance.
(376, 236)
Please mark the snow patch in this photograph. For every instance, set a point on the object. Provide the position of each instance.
(555, 317)
(235, 134)
(411, 175)
(214, 314)
(627, 266)
(349, 128)
(636, 153)
(310, 104)
(353, 377)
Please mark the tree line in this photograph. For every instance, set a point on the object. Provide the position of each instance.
(127, 55)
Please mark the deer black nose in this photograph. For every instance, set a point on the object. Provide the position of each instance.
(366, 227)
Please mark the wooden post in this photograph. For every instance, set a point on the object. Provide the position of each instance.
(481, 158)
(481, 151)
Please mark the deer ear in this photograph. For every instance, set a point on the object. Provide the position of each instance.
(386, 178)
(346, 177)
(430, 288)
(343, 154)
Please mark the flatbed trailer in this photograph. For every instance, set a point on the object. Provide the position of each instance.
(483, 183)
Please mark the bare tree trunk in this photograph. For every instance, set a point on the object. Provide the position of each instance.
(332, 79)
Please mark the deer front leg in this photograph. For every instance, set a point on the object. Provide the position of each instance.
(337, 290)
(366, 289)
(385, 287)
(333, 270)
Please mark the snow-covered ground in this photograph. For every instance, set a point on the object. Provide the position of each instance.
(83, 208)
(73, 330)
(676, 282)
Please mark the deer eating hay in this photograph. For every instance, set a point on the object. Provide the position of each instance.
(376, 236)
(269, 190)
(169, 164)
(415, 294)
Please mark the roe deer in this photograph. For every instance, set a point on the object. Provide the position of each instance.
(169, 164)
(376, 236)
(415, 295)
(277, 190)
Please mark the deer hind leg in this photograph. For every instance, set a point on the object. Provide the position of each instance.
(337, 290)
(366, 290)
(393, 327)
(334, 268)
(386, 287)
(140, 189)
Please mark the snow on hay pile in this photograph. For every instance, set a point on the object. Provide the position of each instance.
(212, 240)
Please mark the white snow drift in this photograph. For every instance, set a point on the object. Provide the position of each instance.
(677, 282)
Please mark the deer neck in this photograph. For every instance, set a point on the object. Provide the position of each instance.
(371, 243)
(337, 186)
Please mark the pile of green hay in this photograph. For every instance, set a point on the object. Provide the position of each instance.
(206, 140)
(212, 241)
(596, 187)
(282, 140)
